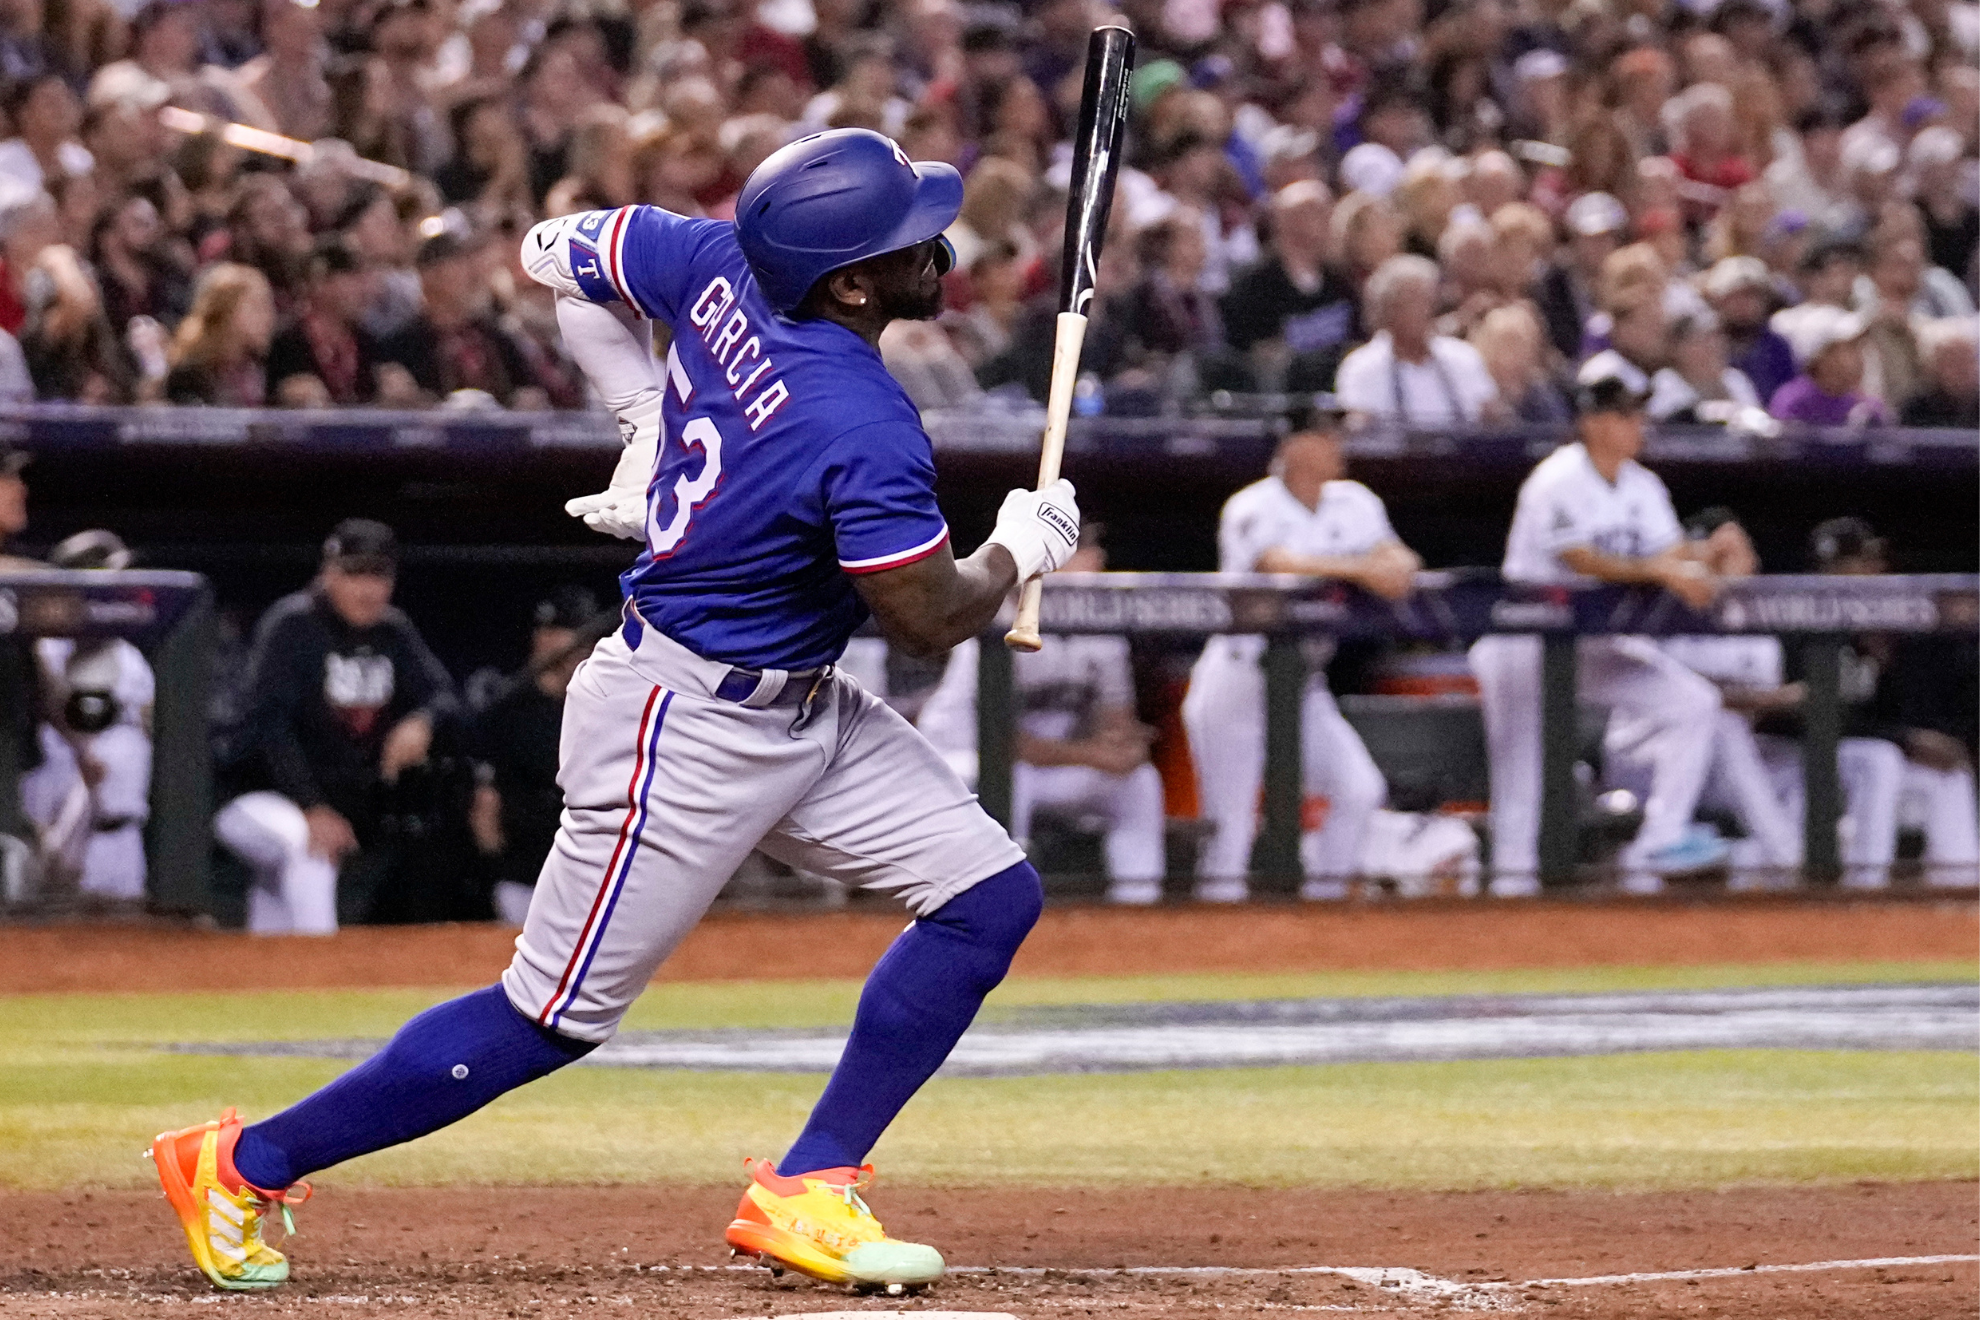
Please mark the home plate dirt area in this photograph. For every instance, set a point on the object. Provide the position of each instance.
(1896, 1252)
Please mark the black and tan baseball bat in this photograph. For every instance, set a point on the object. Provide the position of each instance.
(1103, 116)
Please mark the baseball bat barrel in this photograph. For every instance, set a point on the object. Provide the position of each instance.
(1103, 115)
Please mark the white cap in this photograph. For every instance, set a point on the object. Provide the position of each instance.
(1371, 168)
(1596, 213)
(1732, 274)
(1540, 63)
(1820, 328)
(1610, 368)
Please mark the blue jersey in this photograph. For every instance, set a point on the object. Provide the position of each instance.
(790, 460)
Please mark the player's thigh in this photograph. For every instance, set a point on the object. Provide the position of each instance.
(888, 813)
(124, 752)
(1337, 761)
(664, 794)
(263, 829)
(45, 788)
(1508, 672)
(1635, 674)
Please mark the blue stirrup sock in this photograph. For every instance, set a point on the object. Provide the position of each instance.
(440, 1067)
(921, 997)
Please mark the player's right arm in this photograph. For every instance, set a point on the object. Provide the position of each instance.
(1388, 570)
(1569, 538)
(1673, 569)
(928, 606)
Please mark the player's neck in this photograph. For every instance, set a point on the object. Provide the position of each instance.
(868, 325)
(1608, 462)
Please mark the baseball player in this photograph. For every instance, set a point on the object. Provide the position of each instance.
(1748, 672)
(1079, 744)
(1907, 722)
(782, 488)
(91, 795)
(1590, 513)
(1306, 519)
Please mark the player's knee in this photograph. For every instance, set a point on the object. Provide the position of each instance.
(1362, 792)
(996, 913)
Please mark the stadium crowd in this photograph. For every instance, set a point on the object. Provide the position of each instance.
(1438, 207)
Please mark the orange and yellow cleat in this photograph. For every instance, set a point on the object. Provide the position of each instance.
(221, 1213)
(816, 1224)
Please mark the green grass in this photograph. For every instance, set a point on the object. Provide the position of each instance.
(81, 1093)
(30, 1022)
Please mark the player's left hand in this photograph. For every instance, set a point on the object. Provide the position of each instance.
(615, 512)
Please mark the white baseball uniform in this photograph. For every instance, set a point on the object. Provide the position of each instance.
(96, 833)
(1671, 711)
(1224, 712)
(1059, 692)
(1882, 790)
(1739, 780)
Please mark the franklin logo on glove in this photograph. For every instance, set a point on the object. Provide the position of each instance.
(1055, 518)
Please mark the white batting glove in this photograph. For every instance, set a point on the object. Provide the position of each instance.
(620, 509)
(1040, 528)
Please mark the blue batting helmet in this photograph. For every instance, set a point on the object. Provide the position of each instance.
(833, 198)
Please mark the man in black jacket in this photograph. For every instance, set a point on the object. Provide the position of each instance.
(517, 801)
(342, 697)
(1293, 302)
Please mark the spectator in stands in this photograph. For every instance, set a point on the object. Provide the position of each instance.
(1173, 324)
(1567, 291)
(1406, 375)
(1466, 256)
(91, 795)
(1828, 392)
(342, 697)
(1951, 216)
(325, 352)
(1509, 340)
(137, 267)
(1809, 178)
(1425, 198)
(456, 342)
(219, 351)
(1705, 147)
(46, 118)
(1740, 290)
(1079, 747)
(517, 800)
(1699, 384)
(1363, 234)
(1952, 396)
(287, 77)
(69, 346)
(1293, 304)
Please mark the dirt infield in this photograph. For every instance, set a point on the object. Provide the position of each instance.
(655, 1252)
(1071, 941)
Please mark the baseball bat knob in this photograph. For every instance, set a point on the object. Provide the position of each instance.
(1024, 639)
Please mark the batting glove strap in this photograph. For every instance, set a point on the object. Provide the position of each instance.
(1039, 528)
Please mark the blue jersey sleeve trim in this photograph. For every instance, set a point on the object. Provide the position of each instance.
(899, 559)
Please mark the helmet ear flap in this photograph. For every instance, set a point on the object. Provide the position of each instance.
(945, 255)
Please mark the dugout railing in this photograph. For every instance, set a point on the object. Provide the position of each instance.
(170, 616)
(1813, 613)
